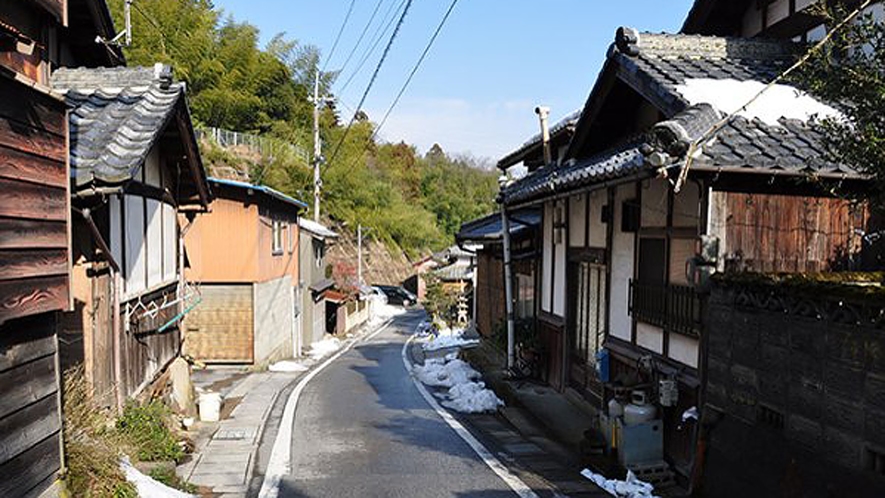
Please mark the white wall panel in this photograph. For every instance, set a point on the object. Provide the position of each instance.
(684, 350)
(116, 229)
(135, 269)
(152, 174)
(154, 243)
(559, 272)
(654, 203)
(170, 243)
(547, 258)
(577, 223)
(650, 337)
(597, 228)
(622, 268)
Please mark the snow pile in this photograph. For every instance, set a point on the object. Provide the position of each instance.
(445, 372)
(466, 393)
(779, 101)
(287, 366)
(325, 347)
(446, 337)
(632, 487)
(148, 487)
(472, 397)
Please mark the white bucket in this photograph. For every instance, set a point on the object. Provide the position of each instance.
(210, 407)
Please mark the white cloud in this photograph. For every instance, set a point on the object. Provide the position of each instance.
(488, 130)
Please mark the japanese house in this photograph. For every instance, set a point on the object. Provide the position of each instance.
(489, 299)
(244, 257)
(137, 182)
(36, 38)
(645, 203)
(314, 283)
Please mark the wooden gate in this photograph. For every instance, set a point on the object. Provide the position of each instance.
(220, 329)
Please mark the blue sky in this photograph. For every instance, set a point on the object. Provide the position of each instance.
(494, 61)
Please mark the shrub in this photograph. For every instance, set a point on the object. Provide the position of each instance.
(146, 427)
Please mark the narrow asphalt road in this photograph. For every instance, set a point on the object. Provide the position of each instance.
(362, 429)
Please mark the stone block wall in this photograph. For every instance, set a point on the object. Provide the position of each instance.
(794, 393)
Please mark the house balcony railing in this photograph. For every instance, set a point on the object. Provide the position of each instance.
(675, 308)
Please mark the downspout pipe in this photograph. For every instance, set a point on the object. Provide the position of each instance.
(543, 113)
(508, 283)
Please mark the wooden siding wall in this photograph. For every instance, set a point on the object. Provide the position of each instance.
(34, 213)
(30, 19)
(779, 233)
(146, 351)
(30, 423)
(489, 292)
(223, 245)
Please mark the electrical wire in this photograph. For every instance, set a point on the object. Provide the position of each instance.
(338, 36)
(405, 85)
(377, 36)
(362, 35)
(371, 82)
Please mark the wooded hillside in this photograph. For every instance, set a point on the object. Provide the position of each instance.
(412, 202)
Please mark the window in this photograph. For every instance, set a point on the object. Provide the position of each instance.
(318, 253)
(290, 233)
(277, 227)
(525, 295)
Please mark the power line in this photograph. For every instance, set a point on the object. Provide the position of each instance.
(371, 81)
(402, 89)
(378, 37)
(338, 36)
(362, 35)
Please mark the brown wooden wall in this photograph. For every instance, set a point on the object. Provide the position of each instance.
(779, 233)
(34, 212)
(30, 423)
(145, 350)
(490, 298)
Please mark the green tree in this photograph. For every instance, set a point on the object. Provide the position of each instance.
(849, 71)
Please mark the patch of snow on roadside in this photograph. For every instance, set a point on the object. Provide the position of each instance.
(323, 348)
(447, 338)
(472, 397)
(148, 487)
(466, 393)
(287, 366)
(632, 487)
(779, 101)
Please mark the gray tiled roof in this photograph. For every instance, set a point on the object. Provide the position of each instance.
(117, 114)
(616, 163)
(657, 64)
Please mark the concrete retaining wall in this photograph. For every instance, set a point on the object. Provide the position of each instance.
(274, 315)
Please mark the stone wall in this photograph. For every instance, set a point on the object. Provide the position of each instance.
(795, 392)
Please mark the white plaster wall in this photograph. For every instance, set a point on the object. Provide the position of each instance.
(273, 315)
(650, 337)
(577, 224)
(686, 206)
(547, 258)
(684, 350)
(559, 286)
(597, 228)
(134, 248)
(152, 175)
(622, 268)
(654, 203)
(680, 251)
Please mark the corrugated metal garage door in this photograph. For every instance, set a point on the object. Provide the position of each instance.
(220, 329)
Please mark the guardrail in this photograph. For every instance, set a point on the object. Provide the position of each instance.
(264, 146)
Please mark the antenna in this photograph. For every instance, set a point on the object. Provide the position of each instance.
(126, 34)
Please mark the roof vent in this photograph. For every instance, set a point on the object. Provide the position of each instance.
(163, 74)
(627, 41)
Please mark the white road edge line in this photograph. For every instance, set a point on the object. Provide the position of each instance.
(516, 484)
(278, 466)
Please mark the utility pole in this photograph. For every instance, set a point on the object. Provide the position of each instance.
(317, 146)
(359, 249)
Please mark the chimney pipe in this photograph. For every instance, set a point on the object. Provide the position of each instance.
(543, 113)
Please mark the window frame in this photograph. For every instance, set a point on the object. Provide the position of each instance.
(276, 234)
